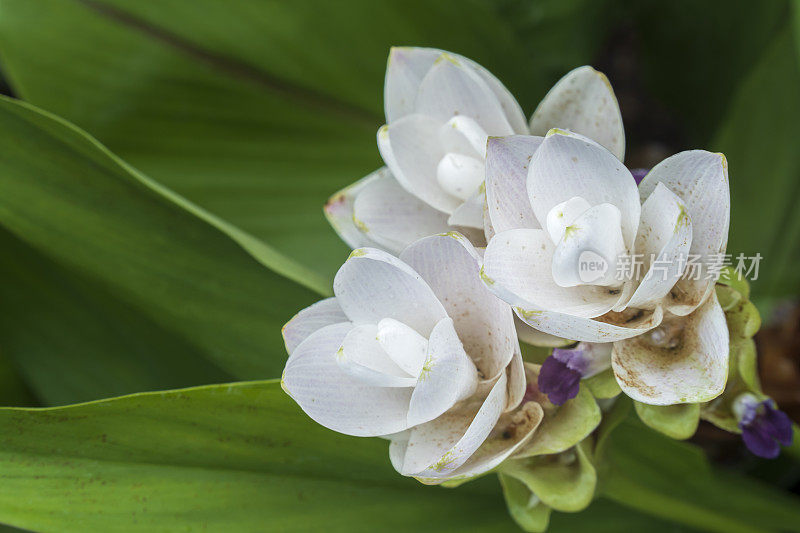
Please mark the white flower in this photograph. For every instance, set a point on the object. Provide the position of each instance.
(576, 203)
(417, 350)
(440, 110)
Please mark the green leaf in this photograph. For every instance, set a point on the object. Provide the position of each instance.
(239, 457)
(564, 482)
(694, 55)
(117, 233)
(525, 508)
(73, 341)
(673, 480)
(675, 421)
(758, 134)
(259, 111)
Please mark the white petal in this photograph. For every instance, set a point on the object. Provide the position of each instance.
(404, 72)
(516, 381)
(407, 66)
(567, 165)
(484, 323)
(511, 433)
(316, 316)
(700, 179)
(507, 160)
(459, 175)
(470, 213)
(665, 232)
(405, 346)
(411, 150)
(591, 330)
(362, 357)
(373, 285)
(339, 209)
(448, 376)
(463, 135)
(392, 217)
(517, 267)
(534, 337)
(561, 216)
(439, 447)
(589, 249)
(451, 88)
(694, 371)
(584, 102)
(599, 355)
(337, 401)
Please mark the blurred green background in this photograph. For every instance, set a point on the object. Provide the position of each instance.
(173, 258)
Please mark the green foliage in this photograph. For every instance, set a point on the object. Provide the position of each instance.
(172, 257)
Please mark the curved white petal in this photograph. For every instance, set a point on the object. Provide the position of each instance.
(439, 447)
(567, 165)
(407, 67)
(516, 381)
(335, 400)
(316, 316)
(484, 323)
(404, 346)
(511, 433)
(584, 102)
(386, 213)
(665, 233)
(448, 376)
(517, 268)
(411, 150)
(339, 209)
(362, 357)
(404, 72)
(373, 285)
(470, 213)
(589, 249)
(507, 160)
(563, 215)
(694, 371)
(453, 88)
(700, 179)
(592, 330)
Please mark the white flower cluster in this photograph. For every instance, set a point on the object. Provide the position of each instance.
(474, 236)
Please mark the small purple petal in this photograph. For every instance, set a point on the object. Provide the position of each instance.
(558, 381)
(639, 174)
(763, 425)
(759, 442)
(777, 424)
(575, 359)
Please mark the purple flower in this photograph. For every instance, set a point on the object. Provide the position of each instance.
(561, 374)
(763, 426)
(639, 174)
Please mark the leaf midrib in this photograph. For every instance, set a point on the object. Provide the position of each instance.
(235, 67)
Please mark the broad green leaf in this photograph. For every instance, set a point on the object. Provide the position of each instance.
(256, 110)
(239, 457)
(675, 421)
(694, 54)
(232, 457)
(759, 132)
(564, 482)
(671, 479)
(72, 341)
(78, 205)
